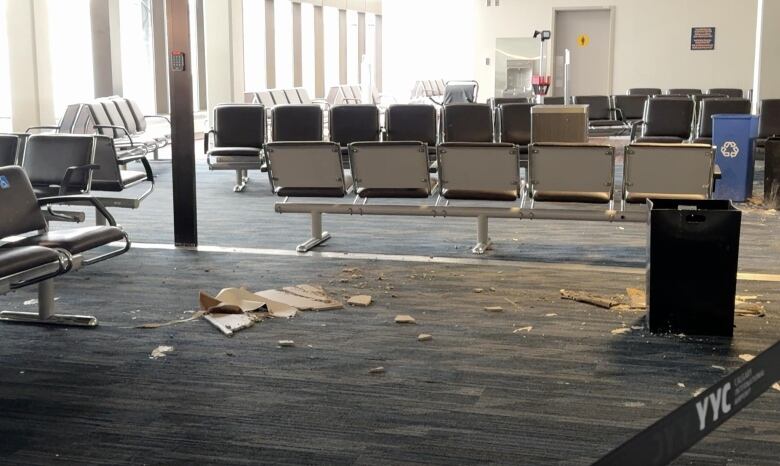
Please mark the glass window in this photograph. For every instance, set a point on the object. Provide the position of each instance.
(5, 77)
(353, 64)
(283, 38)
(135, 18)
(70, 41)
(331, 33)
(371, 47)
(307, 46)
(254, 46)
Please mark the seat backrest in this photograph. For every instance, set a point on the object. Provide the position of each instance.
(646, 91)
(68, 119)
(571, 172)
(280, 98)
(467, 123)
(632, 107)
(292, 96)
(113, 116)
(354, 123)
(98, 116)
(127, 115)
(460, 93)
(769, 124)
(732, 92)
(390, 169)
(514, 121)
(479, 171)
(599, 107)
(496, 101)
(667, 171)
(18, 206)
(48, 156)
(305, 169)
(138, 115)
(296, 123)
(334, 96)
(303, 95)
(412, 122)
(107, 176)
(683, 91)
(427, 88)
(440, 87)
(9, 146)
(265, 99)
(709, 107)
(668, 117)
(239, 125)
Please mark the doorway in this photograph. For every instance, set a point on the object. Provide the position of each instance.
(587, 33)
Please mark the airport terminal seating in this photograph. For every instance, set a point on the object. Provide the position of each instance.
(466, 122)
(32, 253)
(60, 164)
(715, 106)
(413, 122)
(353, 123)
(9, 150)
(630, 108)
(554, 100)
(487, 174)
(727, 91)
(665, 120)
(300, 122)
(513, 126)
(683, 91)
(237, 141)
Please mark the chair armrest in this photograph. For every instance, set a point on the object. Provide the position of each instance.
(206, 140)
(161, 117)
(618, 113)
(45, 201)
(120, 128)
(634, 127)
(41, 127)
(69, 174)
(144, 161)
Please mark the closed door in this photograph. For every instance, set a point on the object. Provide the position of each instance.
(587, 35)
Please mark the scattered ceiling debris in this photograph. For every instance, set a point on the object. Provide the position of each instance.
(746, 357)
(620, 331)
(698, 392)
(377, 370)
(776, 386)
(494, 309)
(634, 404)
(360, 300)
(404, 319)
(606, 302)
(286, 343)
(523, 329)
(424, 337)
(160, 352)
(478, 290)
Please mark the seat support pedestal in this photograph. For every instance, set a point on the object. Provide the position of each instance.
(317, 235)
(46, 313)
(241, 178)
(483, 241)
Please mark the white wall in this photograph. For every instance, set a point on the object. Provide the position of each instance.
(651, 43)
(426, 39)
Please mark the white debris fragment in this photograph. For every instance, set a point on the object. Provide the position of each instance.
(424, 337)
(698, 392)
(160, 352)
(680, 384)
(404, 319)
(634, 404)
(746, 357)
(620, 331)
(523, 329)
(377, 370)
(286, 343)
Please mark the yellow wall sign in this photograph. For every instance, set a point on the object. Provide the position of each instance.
(583, 40)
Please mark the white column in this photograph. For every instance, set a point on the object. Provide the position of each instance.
(29, 64)
(766, 76)
(223, 24)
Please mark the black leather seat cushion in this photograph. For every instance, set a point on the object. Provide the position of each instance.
(669, 117)
(479, 195)
(515, 122)
(715, 106)
(235, 151)
(770, 118)
(393, 192)
(645, 91)
(8, 149)
(309, 192)
(632, 107)
(15, 260)
(77, 240)
(354, 123)
(239, 125)
(128, 177)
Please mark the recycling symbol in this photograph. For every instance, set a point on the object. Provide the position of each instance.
(729, 149)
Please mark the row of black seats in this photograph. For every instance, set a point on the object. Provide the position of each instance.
(238, 136)
(720, 91)
(31, 253)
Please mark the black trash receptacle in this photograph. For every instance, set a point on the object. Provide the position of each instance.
(772, 173)
(693, 247)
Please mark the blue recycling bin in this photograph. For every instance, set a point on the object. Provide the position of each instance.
(732, 136)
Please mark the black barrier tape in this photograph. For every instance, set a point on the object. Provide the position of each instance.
(681, 429)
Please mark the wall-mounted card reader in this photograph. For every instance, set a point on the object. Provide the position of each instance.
(177, 61)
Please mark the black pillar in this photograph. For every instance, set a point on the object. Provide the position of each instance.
(185, 215)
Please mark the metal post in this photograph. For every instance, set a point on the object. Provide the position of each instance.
(185, 221)
(483, 241)
(317, 235)
(100, 220)
(46, 299)
(566, 63)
